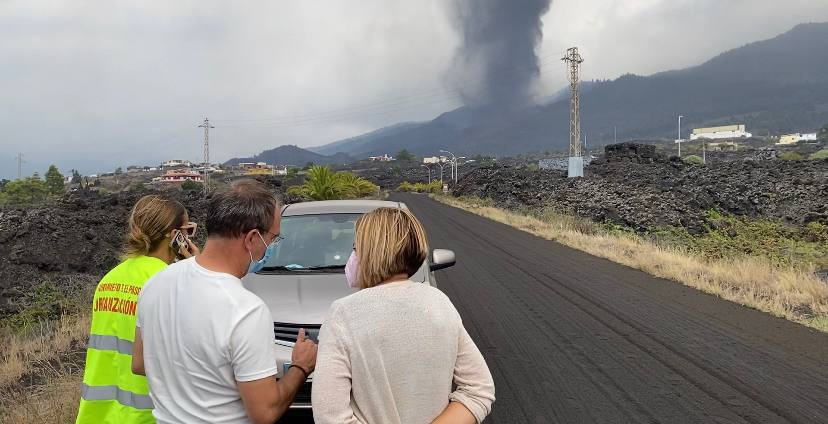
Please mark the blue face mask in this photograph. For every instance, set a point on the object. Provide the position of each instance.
(256, 266)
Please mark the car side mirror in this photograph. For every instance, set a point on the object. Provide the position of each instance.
(442, 258)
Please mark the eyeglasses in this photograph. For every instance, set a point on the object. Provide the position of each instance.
(276, 238)
(188, 229)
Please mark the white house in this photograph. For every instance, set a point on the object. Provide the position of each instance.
(383, 158)
(177, 163)
(718, 133)
(788, 139)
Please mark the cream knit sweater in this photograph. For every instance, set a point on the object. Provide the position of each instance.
(392, 354)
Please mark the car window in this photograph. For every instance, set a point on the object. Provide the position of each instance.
(313, 241)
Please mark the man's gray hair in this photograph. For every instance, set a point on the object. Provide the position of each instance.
(246, 205)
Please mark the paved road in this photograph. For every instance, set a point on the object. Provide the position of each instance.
(571, 338)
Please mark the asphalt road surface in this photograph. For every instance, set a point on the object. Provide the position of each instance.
(571, 338)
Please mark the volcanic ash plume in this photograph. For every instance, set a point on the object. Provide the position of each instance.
(496, 62)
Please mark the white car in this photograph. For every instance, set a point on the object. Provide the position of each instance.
(307, 271)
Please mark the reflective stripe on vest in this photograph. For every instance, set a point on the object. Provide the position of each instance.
(101, 342)
(111, 392)
(124, 397)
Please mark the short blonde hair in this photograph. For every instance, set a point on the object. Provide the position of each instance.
(389, 241)
(151, 219)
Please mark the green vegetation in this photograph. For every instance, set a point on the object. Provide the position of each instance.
(323, 184)
(54, 181)
(693, 160)
(405, 156)
(191, 185)
(822, 154)
(3, 183)
(25, 192)
(46, 303)
(822, 135)
(76, 177)
(791, 156)
(434, 187)
(728, 236)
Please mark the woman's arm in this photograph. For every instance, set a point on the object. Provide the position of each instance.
(455, 413)
(475, 386)
(331, 395)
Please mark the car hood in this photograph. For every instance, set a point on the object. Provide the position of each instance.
(300, 298)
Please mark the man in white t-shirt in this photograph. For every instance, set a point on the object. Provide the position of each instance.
(204, 342)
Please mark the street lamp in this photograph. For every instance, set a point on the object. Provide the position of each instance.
(453, 165)
(429, 173)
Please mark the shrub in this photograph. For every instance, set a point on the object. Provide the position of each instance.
(791, 156)
(822, 154)
(693, 160)
(191, 185)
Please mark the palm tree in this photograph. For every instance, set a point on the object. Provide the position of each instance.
(323, 184)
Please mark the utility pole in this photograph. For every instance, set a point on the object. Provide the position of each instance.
(615, 134)
(573, 60)
(206, 125)
(429, 173)
(704, 152)
(678, 140)
(19, 166)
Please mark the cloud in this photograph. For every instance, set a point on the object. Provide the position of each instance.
(96, 85)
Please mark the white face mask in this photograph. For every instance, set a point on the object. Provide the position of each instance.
(351, 270)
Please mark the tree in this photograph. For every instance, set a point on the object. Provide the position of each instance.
(24, 192)
(119, 170)
(191, 185)
(54, 180)
(822, 135)
(406, 156)
(323, 184)
(76, 177)
(3, 183)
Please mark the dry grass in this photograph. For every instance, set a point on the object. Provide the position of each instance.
(54, 402)
(794, 294)
(22, 353)
(55, 396)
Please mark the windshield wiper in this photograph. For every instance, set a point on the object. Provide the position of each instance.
(324, 267)
(304, 269)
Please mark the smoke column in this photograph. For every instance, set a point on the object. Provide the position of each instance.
(496, 62)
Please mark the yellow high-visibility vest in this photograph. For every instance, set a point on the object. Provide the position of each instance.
(111, 393)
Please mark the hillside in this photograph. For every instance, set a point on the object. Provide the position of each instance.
(772, 86)
(294, 156)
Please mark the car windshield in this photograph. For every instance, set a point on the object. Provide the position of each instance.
(314, 242)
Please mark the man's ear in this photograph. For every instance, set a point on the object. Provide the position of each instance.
(248, 240)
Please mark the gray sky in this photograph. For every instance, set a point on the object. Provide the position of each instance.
(96, 85)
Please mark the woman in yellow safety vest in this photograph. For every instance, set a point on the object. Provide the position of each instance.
(159, 232)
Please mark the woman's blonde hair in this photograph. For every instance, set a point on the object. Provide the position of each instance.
(389, 241)
(151, 219)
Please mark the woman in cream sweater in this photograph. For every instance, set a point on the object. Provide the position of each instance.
(396, 351)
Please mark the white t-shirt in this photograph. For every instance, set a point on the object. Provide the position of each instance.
(202, 332)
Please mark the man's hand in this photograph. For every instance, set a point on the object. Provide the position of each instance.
(304, 352)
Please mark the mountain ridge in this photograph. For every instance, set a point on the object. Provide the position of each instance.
(754, 84)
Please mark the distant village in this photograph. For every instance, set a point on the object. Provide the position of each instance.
(176, 172)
